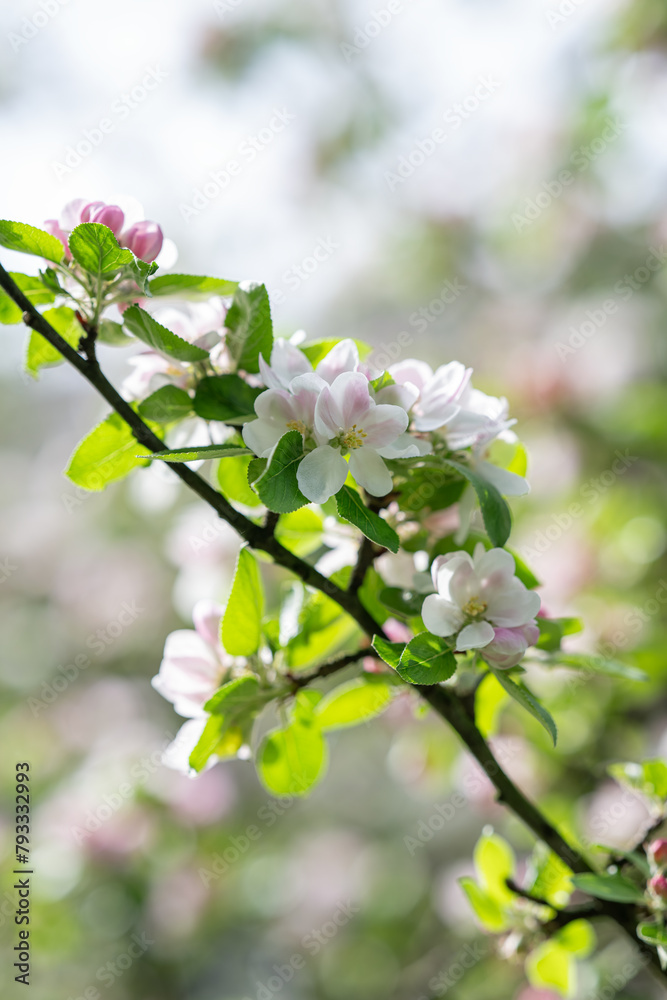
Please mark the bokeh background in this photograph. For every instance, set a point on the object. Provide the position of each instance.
(528, 243)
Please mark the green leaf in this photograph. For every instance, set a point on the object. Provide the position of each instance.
(353, 702)
(527, 700)
(577, 937)
(40, 352)
(313, 626)
(382, 381)
(616, 888)
(494, 864)
(653, 934)
(552, 631)
(249, 327)
(113, 334)
(166, 405)
(406, 603)
(648, 777)
(32, 288)
(28, 239)
(353, 509)
(293, 759)
(495, 512)
(232, 476)
(199, 452)
(300, 531)
(242, 621)
(225, 397)
(490, 698)
(234, 694)
(108, 453)
(96, 249)
(426, 659)
(599, 665)
(142, 325)
(485, 908)
(277, 487)
(552, 878)
(141, 271)
(191, 286)
(552, 966)
(390, 652)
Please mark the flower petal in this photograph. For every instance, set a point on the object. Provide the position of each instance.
(441, 617)
(383, 424)
(370, 472)
(344, 357)
(475, 636)
(321, 474)
(207, 616)
(511, 605)
(508, 483)
(351, 393)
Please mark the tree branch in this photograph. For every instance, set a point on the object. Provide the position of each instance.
(444, 701)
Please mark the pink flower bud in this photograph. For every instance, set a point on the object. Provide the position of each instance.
(658, 886)
(658, 852)
(107, 215)
(144, 239)
(508, 645)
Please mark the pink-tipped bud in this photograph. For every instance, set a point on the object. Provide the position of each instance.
(658, 886)
(144, 239)
(657, 851)
(107, 215)
(509, 645)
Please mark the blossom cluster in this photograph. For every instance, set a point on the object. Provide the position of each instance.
(143, 238)
(352, 418)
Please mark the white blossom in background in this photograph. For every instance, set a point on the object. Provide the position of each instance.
(477, 599)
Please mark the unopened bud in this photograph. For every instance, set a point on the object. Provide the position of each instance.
(144, 239)
(658, 886)
(657, 851)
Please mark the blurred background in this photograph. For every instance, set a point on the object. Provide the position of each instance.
(490, 178)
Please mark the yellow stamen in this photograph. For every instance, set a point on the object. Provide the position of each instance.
(353, 438)
(298, 425)
(474, 608)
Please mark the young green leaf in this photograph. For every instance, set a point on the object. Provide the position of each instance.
(486, 909)
(300, 531)
(233, 707)
(108, 453)
(577, 937)
(141, 271)
(225, 397)
(426, 659)
(599, 665)
(652, 934)
(616, 888)
(406, 603)
(390, 652)
(293, 759)
(234, 694)
(40, 352)
(241, 631)
(648, 777)
(113, 334)
(96, 249)
(28, 239)
(219, 737)
(277, 487)
(353, 702)
(166, 405)
(527, 700)
(316, 350)
(191, 286)
(232, 476)
(353, 509)
(313, 628)
(249, 327)
(34, 290)
(494, 864)
(204, 451)
(552, 966)
(495, 512)
(552, 631)
(142, 325)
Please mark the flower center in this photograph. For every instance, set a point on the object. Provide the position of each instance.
(298, 425)
(353, 438)
(475, 608)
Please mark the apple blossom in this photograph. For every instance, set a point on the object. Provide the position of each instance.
(436, 394)
(657, 852)
(509, 645)
(144, 239)
(194, 662)
(475, 595)
(287, 361)
(280, 410)
(348, 422)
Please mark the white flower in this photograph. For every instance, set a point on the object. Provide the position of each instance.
(436, 395)
(194, 662)
(287, 361)
(280, 410)
(477, 595)
(348, 422)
